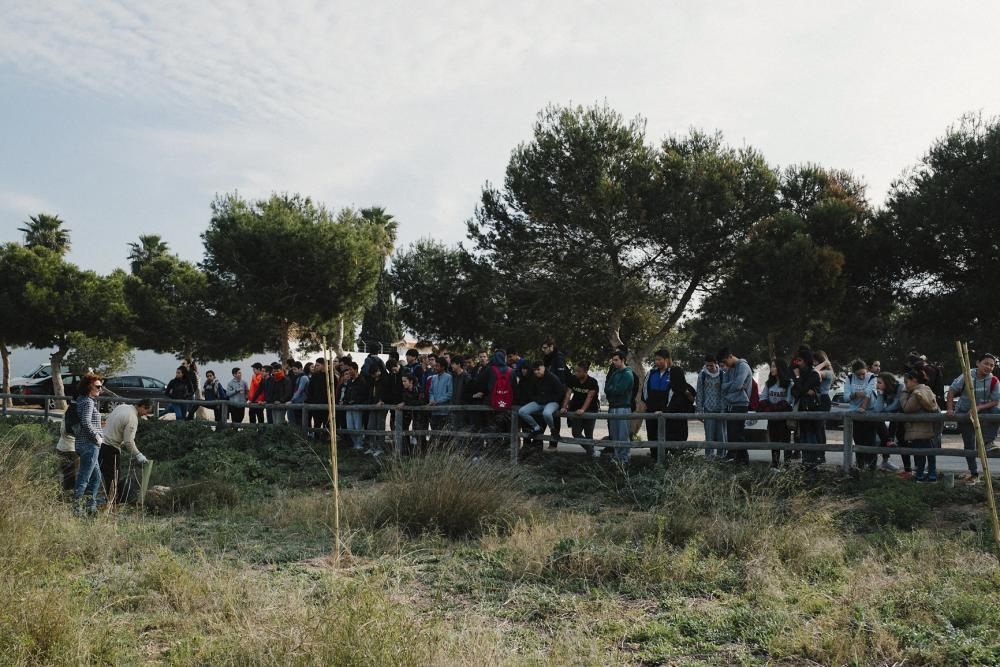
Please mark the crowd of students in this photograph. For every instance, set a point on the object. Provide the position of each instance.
(546, 391)
(540, 394)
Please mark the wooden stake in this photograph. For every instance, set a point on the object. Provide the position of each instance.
(332, 426)
(970, 391)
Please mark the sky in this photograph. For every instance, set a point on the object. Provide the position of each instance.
(128, 118)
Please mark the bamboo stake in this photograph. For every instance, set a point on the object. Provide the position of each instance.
(332, 425)
(970, 390)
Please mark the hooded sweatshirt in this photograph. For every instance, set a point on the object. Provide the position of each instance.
(737, 383)
(709, 391)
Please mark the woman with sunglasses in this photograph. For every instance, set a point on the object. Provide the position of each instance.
(88, 444)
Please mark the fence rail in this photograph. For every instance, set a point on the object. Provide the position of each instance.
(514, 434)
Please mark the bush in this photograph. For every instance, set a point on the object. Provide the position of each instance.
(444, 492)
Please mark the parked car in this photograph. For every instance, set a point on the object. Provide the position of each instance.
(43, 387)
(43, 371)
(136, 386)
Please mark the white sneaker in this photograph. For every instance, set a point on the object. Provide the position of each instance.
(889, 466)
(376, 453)
(777, 470)
(357, 448)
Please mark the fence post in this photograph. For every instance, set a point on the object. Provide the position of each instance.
(848, 443)
(5, 399)
(397, 431)
(45, 407)
(515, 437)
(305, 418)
(661, 437)
(223, 409)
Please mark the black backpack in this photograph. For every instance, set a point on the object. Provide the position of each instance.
(71, 419)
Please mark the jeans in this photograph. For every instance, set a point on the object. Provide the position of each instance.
(237, 413)
(108, 460)
(376, 422)
(88, 480)
(548, 411)
(715, 431)
(179, 411)
(969, 436)
(734, 432)
(618, 429)
(275, 416)
(356, 421)
(777, 431)
(256, 415)
(864, 435)
(583, 428)
(931, 461)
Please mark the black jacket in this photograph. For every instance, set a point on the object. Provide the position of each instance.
(682, 394)
(358, 391)
(178, 388)
(316, 392)
(546, 389)
(392, 394)
(555, 362)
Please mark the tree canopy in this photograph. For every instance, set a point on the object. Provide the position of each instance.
(291, 263)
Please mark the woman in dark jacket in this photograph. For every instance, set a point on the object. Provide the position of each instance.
(682, 397)
(805, 394)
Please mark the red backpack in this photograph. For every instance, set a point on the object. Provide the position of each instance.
(502, 395)
(754, 395)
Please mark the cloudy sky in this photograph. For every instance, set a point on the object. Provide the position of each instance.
(127, 118)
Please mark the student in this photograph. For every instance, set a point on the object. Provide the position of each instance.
(88, 442)
(214, 392)
(887, 394)
(859, 389)
(544, 397)
(393, 392)
(119, 437)
(374, 374)
(555, 361)
(192, 379)
(824, 367)
(805, 395)
(440, 392)
(178, 389)
(582, 397)
(357, 391)
(462, 384)
(620, 390)
(919, 398)
(237, 391)
(300, 386)
(682, 397)
(316, 393)
(986, 391)
(410, 396)
(776, 397)
(737, 385)
(656, 392)
(708, 399)
(255, 394)
(281, 392)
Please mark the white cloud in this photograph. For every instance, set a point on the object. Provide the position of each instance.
(414, 105)
(24, 204)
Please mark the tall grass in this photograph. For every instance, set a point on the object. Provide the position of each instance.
(444, 491)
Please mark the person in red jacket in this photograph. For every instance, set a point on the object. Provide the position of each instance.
(256, 393)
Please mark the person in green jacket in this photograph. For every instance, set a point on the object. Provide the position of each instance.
(619, 388)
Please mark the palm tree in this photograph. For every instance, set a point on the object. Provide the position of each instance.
(46, 231)
(149, 247)
(376, 215)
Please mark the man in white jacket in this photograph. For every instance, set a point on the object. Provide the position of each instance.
(119, 434)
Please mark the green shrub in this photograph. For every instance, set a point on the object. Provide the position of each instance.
(444, 491)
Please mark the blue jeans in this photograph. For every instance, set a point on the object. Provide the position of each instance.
(180, 411)
(356, 421)
(618, 429)
(88, 479)
(929, 461)
(969, 436)
(715, 429)
(548, 411)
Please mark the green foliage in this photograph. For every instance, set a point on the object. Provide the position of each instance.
(104, 356)
(380, 326)
(941, 217)
(623, 232)
(176, 311)
(445, 295)
(46, 231)
(289, 262)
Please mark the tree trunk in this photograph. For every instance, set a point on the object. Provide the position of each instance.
(338, 344)
(285, 343)
(58, 388)
(5, 353)
(634, 362)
